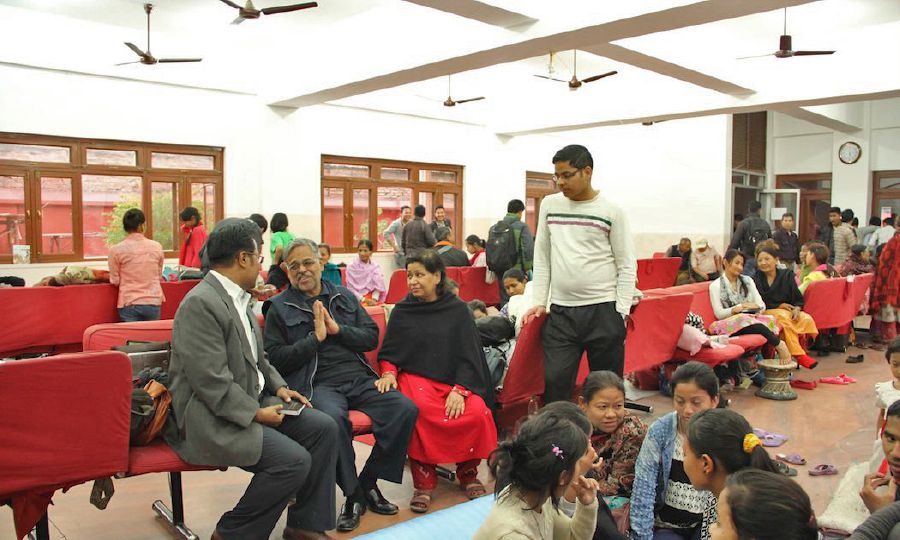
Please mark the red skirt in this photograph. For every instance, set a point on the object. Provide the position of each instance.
(438, 439)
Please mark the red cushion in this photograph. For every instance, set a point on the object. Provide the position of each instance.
(657, 325)
(158, 457)
(525, 377)
(710, 356)
(361, 422)
(657, 272)
(84, 438)
(829, 303)
(397, 288)
(102, 337)
(748, 342)
(472, 286)
(377, 314)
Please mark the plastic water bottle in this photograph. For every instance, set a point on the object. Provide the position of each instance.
(533, 406)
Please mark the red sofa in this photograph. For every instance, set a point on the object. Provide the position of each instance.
(470, 280)
(53, 319)
(43, 449)
(834, 303)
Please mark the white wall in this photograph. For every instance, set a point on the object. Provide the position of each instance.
(672, 178)
(801, 147)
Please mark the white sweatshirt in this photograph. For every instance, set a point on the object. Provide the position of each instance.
(583, 254)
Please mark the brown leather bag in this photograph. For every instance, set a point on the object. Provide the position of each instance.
(162, 400)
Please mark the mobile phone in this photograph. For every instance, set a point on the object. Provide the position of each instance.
(752, 310)
(294, 408)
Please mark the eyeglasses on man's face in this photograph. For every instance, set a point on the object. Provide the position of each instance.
(254, 255)
(565, 176)
(296, 266)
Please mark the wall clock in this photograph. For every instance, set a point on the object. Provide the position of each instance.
(849, 153)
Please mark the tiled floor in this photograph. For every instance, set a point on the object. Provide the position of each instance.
(832, 424)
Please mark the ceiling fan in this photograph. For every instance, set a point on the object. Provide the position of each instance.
(574, 83)
(450, 101)
(249, 11)
(785, 47)
(146, 57)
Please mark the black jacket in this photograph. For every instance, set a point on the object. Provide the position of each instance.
(290, 338)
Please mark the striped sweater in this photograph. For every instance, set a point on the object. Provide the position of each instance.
(583, 254)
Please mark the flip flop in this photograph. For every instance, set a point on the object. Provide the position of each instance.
(793, 459)
(857, 359)
(847, 378)
(833, 380)
(823, 470)
(770, 440)
(806, 385)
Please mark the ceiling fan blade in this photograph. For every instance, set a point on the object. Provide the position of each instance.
(598, 77)
(178, 60)
(550, 78)
(287, 9)
(239, 20)
(135, 48)
(126, 63)
(811, 53)
(468, 100)
(755, 56)
(230, 3)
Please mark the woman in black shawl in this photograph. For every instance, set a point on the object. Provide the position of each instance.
(784, 301)
(432, 352)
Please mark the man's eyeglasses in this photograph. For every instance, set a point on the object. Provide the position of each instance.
(259, 256)
(565, 176)
(295, 267)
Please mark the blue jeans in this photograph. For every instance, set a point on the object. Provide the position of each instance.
(749, 267)
(137, 313)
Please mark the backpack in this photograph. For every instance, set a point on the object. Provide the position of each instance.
(501, 248)
(758, 231)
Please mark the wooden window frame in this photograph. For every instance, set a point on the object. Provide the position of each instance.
(877, 193)
(78, 147)
(374, 181)
(537, 194)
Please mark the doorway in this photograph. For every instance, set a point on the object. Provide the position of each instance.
(815, 200)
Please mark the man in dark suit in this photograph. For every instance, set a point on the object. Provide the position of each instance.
(227, 401)
(331, 370)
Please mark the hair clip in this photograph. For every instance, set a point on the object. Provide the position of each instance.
(558, 452)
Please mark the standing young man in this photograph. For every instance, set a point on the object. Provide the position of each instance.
(393, 235)
(195, 237)
(751, 231)
(135, 265)
(585, 270)
(788, 242)
(417, 235)
(440, 218)
(524, 242)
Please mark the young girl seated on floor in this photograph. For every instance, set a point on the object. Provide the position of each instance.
(547, 455)
(617, 438)
(719, 443)
(761, 505)
(664, 505)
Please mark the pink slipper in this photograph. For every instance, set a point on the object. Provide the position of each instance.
(793, 459)
(823, 470)
(847, 378)
(833, 380)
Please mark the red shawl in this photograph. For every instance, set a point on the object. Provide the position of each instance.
(887, 278)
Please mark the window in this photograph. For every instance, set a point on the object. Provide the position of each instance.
(537, 186)
(361, 197)
(65, 198)
(885, 194)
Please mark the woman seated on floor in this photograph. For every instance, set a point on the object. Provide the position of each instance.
(432, 352)
(364, 277)
(784, 302)
(815, 266)
(664, 505)
(737, 305)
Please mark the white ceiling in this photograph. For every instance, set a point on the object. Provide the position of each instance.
(675, 58)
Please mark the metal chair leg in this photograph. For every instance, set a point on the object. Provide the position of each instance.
(41, 529)
(175, 516)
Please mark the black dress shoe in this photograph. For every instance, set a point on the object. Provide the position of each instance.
(350, 514)
(378, 504)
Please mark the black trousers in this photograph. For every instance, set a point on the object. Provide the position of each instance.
(570, 331)
(298, 460)
(393, 420)
(760, 329)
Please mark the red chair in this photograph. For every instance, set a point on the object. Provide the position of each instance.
(362, 424)
(343, 270)
(657, 272)
(659, 254)
(472, 285)
(657, 325)
(830, 303)
(43, 449)
(397, 288)
(525, 377)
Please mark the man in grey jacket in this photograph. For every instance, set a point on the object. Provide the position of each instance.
(227, 401)
(417, 235)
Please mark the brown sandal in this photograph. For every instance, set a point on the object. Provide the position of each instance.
(474, 490)
(420, 501)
